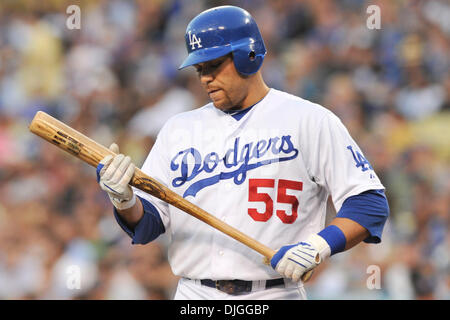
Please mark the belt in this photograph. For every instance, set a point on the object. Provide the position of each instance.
(236, 287)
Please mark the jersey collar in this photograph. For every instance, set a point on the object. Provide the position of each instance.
(239, 114)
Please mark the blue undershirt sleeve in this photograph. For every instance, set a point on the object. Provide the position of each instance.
(148, 228)
(370, 209)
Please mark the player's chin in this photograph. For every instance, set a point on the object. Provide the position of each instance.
(220, 100)
(221, 104)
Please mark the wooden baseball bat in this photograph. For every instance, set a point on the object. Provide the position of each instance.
(91, 152)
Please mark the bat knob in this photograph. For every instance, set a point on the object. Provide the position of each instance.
(307, 275)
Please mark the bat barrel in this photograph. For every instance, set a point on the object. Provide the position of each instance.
(68, 139)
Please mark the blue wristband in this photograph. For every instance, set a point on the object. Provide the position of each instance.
(334, 237)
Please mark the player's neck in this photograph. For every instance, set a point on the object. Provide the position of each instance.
(258, 90)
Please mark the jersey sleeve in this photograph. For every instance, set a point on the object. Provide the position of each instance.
(149, 227)
(369, 209)
(156, 166)
(336, 162)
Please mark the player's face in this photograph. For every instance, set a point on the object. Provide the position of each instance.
(227, 89)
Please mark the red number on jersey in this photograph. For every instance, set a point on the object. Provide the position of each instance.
(282, 197)
(283, 185)
(254, 196)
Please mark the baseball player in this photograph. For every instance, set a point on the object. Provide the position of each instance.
(262, 160)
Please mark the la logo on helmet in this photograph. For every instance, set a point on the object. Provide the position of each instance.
(193, 40)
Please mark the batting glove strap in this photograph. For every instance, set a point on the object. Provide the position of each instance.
(121, 204)
(320, 245)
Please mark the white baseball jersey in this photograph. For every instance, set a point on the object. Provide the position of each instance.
(268, 175)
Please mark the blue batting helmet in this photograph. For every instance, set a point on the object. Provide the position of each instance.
(221, 30)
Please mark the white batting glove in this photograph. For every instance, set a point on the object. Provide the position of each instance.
(293, 261)
(114, 175)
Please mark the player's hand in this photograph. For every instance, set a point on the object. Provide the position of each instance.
(114, 175)
(293, 261)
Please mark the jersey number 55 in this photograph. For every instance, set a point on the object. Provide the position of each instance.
(282, 197)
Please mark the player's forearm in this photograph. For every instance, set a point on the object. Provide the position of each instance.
(354, 233)
(133, 215)
(361, 218)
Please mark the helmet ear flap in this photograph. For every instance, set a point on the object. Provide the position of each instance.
(247, 63)
(249, 58)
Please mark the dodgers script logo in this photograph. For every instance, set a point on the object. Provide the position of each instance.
(239, 160)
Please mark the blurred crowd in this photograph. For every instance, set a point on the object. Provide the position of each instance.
(116, 80)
